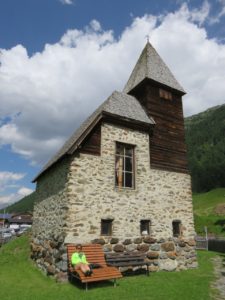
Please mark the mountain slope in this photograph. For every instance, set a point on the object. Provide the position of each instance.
(24, 205)
(209, 210)
(205, 139)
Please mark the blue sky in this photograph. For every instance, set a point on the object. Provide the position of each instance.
(60, 59)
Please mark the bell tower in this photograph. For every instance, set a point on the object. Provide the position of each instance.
(158, 91)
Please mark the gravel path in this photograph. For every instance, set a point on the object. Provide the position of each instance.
(219, 283)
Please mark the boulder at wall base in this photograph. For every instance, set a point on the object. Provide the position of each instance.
(62, 266)
(171, 255)
(48, 259)
(152, 254)
(62, 277)
(98, 241)
(153, 268)
(191, 243)
(168, 265)
(107, 248)
(51, 270)
(169, 246)
(127, 242)
(53, 244)
(118, 248)
(143, 247)
(138, 240)
(155, 247)
(131, 247)
(114, 241)
(149, 240)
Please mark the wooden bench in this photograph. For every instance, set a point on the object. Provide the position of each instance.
(131, 259)
(94, 255)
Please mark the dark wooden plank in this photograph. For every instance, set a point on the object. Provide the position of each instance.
(92, 143)
(167, 143)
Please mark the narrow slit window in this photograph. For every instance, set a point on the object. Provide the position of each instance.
(124, 166)
(145, 227)
(176, 228)
(106, 227)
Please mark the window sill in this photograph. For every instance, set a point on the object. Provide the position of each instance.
(124, 189)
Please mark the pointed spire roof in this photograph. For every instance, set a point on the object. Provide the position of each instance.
(150, 65)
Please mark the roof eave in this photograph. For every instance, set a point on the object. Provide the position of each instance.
(107, 116)
(180, 92)
(74, 147)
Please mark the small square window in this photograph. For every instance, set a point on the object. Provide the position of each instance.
(165, 94)
(176, 228)
(145, 227)
(106, 227)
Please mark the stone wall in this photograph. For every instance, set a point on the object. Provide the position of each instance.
(77, 194)
(160, 196)
(49, 220)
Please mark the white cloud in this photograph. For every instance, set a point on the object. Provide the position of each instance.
(199, 15)
(216, 18)
(48, 94)
(67, 2)
(6, 200)
(14, 197)
(96, 26)
(24, 191)
(8, 179)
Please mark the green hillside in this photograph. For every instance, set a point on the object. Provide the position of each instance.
(24, 205)
(209, 210)
(205, 139)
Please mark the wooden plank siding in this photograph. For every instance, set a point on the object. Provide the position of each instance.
(92, 143)
(167, 144)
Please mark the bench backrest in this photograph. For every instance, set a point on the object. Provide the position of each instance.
(124, 257)
(93, 252)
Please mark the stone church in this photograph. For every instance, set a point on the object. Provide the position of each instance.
(122, 178)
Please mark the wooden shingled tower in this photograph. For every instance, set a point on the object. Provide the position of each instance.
(158, 91)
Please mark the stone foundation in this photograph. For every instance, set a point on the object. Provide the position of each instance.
(173, 254)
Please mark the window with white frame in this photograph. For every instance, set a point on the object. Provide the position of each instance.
(124, 166)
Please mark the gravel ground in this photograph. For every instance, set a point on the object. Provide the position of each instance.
(219, 283)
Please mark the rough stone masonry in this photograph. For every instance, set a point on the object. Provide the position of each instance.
(78, 192)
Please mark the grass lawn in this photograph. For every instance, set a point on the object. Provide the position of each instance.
(20, 279)
(204, 212)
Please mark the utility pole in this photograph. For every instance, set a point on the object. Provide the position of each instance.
(4, 219)
(206, 238)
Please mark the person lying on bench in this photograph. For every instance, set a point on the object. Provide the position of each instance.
(79, 261)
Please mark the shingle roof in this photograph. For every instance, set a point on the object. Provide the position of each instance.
(150, 65)
(118, 104)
